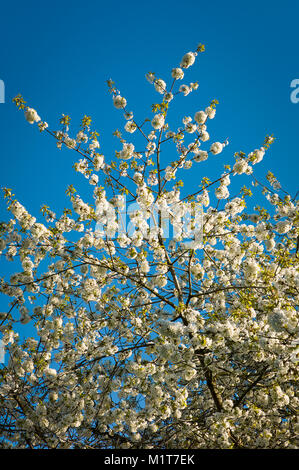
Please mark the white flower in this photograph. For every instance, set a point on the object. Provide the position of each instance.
(187, 60)
(98, 161)
(169, 173)
(130, 127)
(188, 373)
(283, 226)
(200, 117)
(251, 268)
(270, 244)
(187, 119)
(27, 264)
(127, 151)
(119, 102)
(161, 281)
(204, 136)
(184, 89)
(187, 164)
(210, 112)
(204, 198)
(222, 192)
(177, 73)
(151, 147)
(152, 179)
(158, 121)
(95, 144)
(190, 128)
(8, 337)
(197, 270)
(249, 170)
(53, 396)
(31, 115)
(160, 86)
(138, 178)
(94, 179)
(235, 206)
(81, 137)
(256, 156)
(225, 181)
(216, 148)
(151, 135)
(144, 266)
(70, 143)
(51, 372)
(240, 166)
(123, 240)
(168, 96)
(201, 156)
(39, 230)
(128, 115)
(228, 404)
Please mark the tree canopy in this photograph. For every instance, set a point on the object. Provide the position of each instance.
(158, 318)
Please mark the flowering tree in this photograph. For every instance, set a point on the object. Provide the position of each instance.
(141, 339)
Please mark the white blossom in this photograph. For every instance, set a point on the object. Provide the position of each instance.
(160, 86)
(31, 115)
(119, 102)
(201, 156)
(222, 192)
(177, 73)
(210, 112)
(200, 117)
(216, 148)
(283, 226)
(158, 121)
(188, 60)
(240, 166)
(130, 127)
(185, 90)
(127, 151)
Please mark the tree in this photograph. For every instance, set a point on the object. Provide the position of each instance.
(142, 338)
